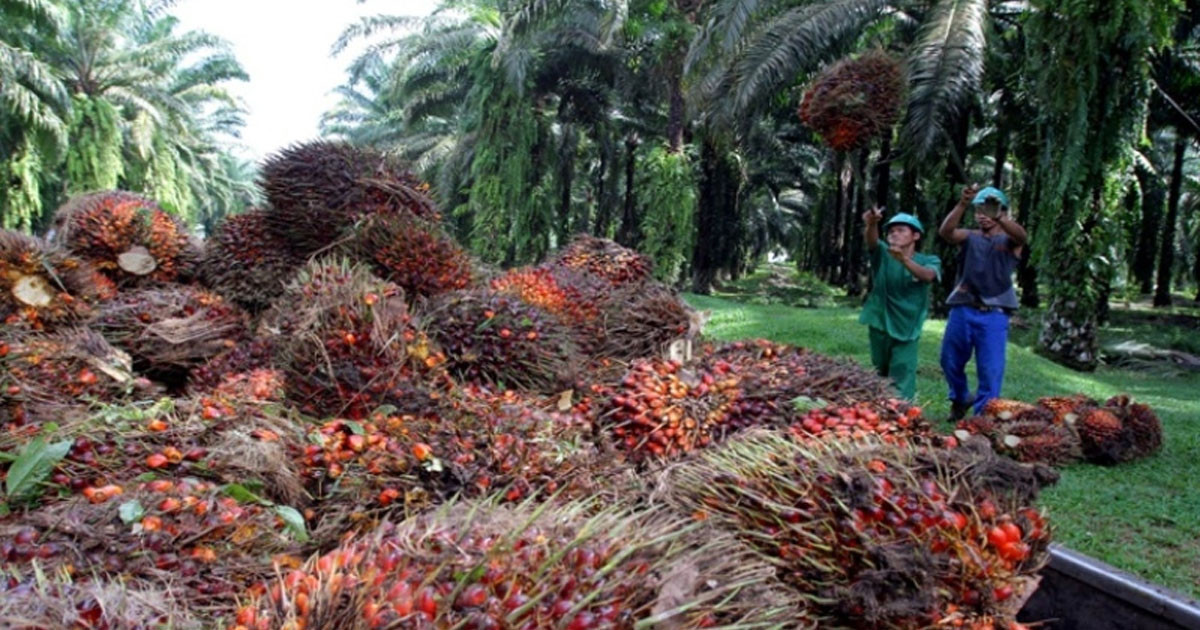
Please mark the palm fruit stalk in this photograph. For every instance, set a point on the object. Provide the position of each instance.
(1144, 428)
(317, 190)
(606, 260)
(126, 237)
(170, 330)
(44, 288)
(247, 263)
(348, 344)
(211, 542)
(491, 337)
(877, 535)
(892, 421)
(44, 374)
(413, 252)
(855, 100)
(641, 321)
(482, 566)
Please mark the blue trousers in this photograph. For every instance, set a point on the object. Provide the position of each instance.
(983, 334)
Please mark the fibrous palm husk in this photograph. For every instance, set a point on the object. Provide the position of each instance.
(855, 100)
(482, 565)
(247, 263)
(490, 337)
(412, 252)
(319, 189)
(42, 287)
(44, 374)
(874, 535)
(349, 344)
(126, 237)
(169, 330)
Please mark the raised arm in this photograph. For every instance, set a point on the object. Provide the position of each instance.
(949, 229)
(1012, 229)
(871, 220)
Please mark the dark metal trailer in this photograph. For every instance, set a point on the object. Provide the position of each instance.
(1080, 593)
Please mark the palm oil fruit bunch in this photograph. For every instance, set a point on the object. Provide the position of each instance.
(412, 252)
(641, 321)
(170, 330)
(605, 259)
(210, 541)
(126, 237)
(1066, 408)
(1103, 436)
(491, 337)
(480, 566)
(896, 423)
(575, 298)
(662, 409)
(1026, 432)
(256, 354)
(44, 288)
(855, 100)
(780, 374)
(349, 344)
(876, 535)
(317, 190)
(1144, 428)
(247, 263)
(43, 374)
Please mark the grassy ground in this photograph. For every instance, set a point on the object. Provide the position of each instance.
(1143, 517)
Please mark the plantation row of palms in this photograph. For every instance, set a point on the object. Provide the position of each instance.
(671, 125)
(102, 94)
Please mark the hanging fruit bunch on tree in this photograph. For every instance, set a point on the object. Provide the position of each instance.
(479, 565)
(170, 330)
(348, 344)
(855, 100)
(491, 337)
(879, 536)
(126, 237)
(605, 259)
(247, 263)
(42, 287)
(317, 190)
(412, 252)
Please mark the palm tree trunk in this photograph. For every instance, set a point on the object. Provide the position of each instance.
(1166, 260)
(629, 232)
(883, 172)
(566, 179)
(1146, 251)
(717, 215)
(1027, 278)
(1001, 156)
(675, 111)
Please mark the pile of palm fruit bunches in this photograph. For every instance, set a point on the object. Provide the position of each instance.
(328, 415)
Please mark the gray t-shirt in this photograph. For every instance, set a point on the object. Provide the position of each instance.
(985, 268)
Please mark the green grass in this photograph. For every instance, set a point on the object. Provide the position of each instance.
(1143, 517)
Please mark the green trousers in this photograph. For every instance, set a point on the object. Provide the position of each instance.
(895, 359)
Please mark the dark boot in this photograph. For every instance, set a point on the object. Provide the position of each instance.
(958, 411)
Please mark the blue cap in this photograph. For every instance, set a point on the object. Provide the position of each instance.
(903, 218)
(991, 193)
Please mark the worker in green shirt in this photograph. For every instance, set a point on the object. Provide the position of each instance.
(899, 300)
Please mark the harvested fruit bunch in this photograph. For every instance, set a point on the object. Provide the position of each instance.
(641, 321)
(492, 337)
(605, 259)
(1103, 436)
(42, 375)
(855, 100)
(43, 287)
(1066, 408)
(875, 535)
(412, 252)
(897, 423)
(126, 237)
(140, 530)
(1027, 433)
(170, 330)
(1006, 409)
(246, 263)
(256, 354)
(478, 565)
(319, 189)
(576, 298)
(662, 409)
(39, 602)
(348, 344)
(1144, 428)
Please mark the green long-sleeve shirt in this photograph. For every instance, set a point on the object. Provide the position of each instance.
(898, 303)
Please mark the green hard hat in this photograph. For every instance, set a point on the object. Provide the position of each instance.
(990, 192)
(903, 218)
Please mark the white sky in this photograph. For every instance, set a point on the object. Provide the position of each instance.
(284, 46)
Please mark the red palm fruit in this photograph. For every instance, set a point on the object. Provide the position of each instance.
(42, 287)
(854, 100)
(126, 237)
